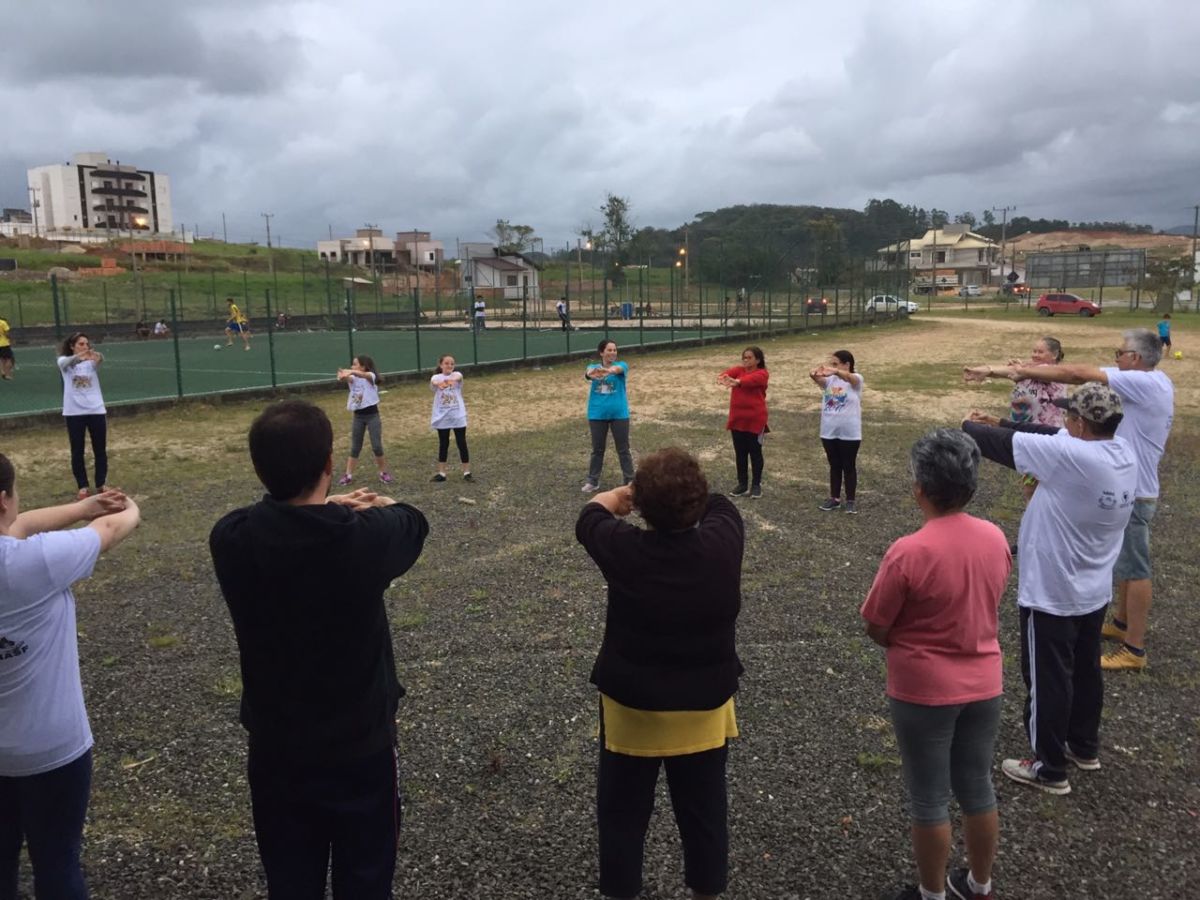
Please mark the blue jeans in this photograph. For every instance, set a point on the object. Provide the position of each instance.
(46, 812)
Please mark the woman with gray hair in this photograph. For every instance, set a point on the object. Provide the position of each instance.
(935, 606)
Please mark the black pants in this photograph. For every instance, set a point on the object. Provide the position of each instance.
(625, 800)
(1060, 662)
(747, 448)
(566, 322)
(460, 440)
(302, 817)
(47, 812)
(842, 456)
(97, 427)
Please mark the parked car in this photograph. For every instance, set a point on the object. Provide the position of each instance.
(816, 306)
(1066, 304)
(887, 303)
(970, 290)
(1016, 290)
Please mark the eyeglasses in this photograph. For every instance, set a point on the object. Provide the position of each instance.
(1119, 353)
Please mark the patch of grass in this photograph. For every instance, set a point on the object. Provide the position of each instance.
(162, 641)
(876, 762)
(229, 685)
(410, 619)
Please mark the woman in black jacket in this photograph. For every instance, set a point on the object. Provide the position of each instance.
(668, 666)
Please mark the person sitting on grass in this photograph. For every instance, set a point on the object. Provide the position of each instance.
(1069, 538)
(668, 666)
(935, 606)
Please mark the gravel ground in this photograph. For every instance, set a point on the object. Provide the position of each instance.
(497, 626)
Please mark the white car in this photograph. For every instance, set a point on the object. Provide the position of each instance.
(970, 290)
(887, 304)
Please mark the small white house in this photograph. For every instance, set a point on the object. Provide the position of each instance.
(510, 276)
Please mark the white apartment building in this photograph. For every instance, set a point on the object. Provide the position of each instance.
(94, 194)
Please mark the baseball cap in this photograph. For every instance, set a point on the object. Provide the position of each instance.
(1094, 401)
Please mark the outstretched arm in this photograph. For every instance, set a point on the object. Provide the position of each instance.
(55, 518)
(1063, 374)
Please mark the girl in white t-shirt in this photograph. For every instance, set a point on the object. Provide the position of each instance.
(841, 426)
(83, 408)
(449, 414)
(362, 378)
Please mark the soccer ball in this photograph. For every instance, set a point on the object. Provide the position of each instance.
(216, 346)
(1179, 354)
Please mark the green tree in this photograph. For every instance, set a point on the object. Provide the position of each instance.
(512, 238)
(1165, 277)
(966, 218)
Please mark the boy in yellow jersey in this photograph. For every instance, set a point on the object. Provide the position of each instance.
(237, 324)
(7, 360)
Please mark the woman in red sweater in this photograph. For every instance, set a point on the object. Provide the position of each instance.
(747, 418)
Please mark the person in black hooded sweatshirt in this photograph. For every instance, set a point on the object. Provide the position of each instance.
(303, 574)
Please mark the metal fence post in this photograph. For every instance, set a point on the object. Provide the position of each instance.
(525, 321)
(175, 342)
(350, 319)
(104, 295)
(57, 314)
(417, 327)
(270, 335)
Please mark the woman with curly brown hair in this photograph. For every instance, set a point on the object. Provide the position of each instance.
(668, 666)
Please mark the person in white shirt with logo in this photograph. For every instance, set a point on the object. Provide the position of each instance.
(1148, 397)
(1070, 536)
(83, 408)
(449, 414)
(45, 740)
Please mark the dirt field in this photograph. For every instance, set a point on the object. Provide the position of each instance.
(497, 626)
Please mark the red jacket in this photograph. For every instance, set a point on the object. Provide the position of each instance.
(748, 400)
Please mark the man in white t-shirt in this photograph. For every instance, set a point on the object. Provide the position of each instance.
(1070, 536)
(1148, 398)
(480, 314)
(45, 739)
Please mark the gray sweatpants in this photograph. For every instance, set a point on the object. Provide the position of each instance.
(620, 433)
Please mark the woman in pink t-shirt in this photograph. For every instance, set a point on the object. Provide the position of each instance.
(935, 606)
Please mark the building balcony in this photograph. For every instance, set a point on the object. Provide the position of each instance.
(116, 175)
(118, 192)
(116, 210)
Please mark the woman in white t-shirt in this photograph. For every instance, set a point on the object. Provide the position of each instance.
(362, 378)
(449, 414)
(83, 408)
(841, 426)
(45, 740)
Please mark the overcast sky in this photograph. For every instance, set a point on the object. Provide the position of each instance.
(447, 117)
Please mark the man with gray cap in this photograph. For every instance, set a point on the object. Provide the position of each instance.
(1148, 397)
(1069, 538)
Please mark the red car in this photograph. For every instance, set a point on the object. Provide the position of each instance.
(816, 306)
(1068, 304)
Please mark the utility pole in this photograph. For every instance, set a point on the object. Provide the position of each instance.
(270, 256)
(224, 230)
(371, 246)
(33, 206)
(1004, 210)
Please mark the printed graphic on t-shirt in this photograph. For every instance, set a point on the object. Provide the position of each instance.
(835, 398)
(356, 399)
(10, 649)
(446, 398)
(81, 382)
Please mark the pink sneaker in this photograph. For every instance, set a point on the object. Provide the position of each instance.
(345, 479)
(386, 477)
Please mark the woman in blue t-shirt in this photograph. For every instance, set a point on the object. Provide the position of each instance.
(608, 409)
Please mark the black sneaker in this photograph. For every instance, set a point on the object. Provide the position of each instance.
(830, 505)
(467, 476)
(740, 491)
(756, 492)
(904, 892)
(438, 477)
(851, 507)
(959, 887)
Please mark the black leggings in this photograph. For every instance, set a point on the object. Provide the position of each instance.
(842, 455)
(747, 447)
(460, 438)
(97, 427)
